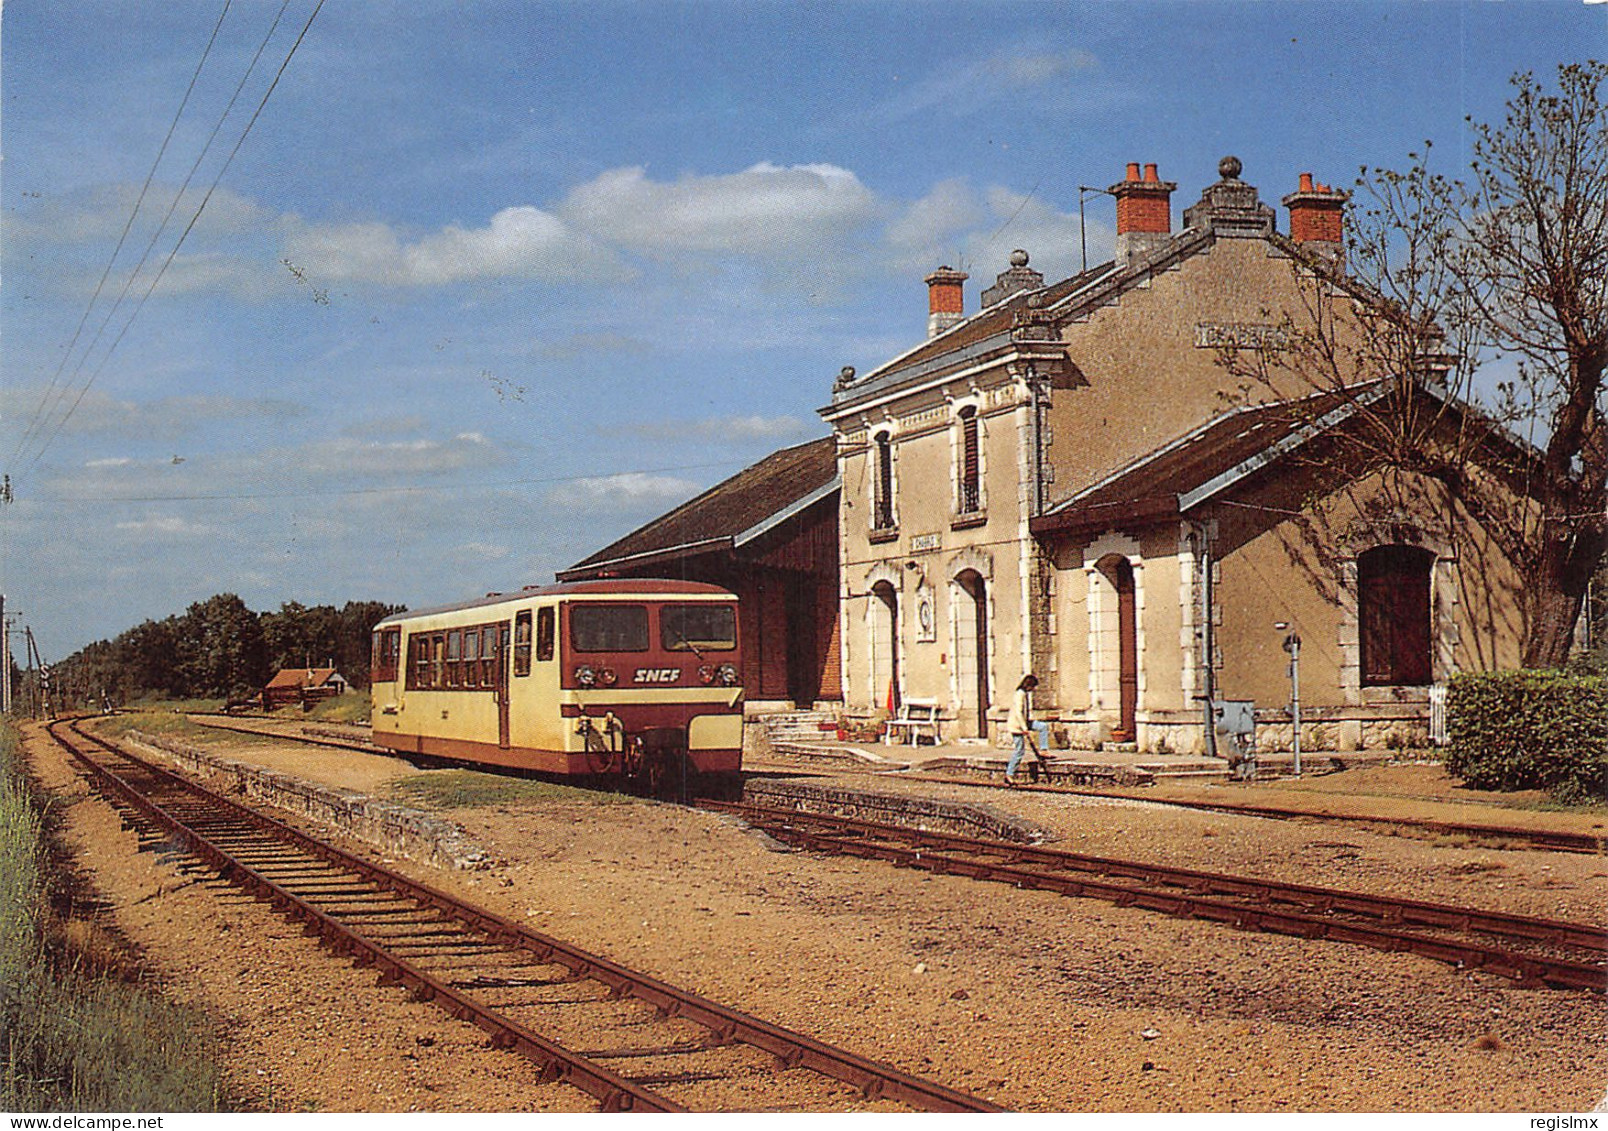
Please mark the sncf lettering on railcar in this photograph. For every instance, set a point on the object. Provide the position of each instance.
(657, 675)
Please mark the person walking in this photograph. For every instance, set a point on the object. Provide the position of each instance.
(1021, 726)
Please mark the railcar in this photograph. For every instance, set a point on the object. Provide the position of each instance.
(635, 680)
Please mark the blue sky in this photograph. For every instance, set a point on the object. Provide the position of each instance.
(489, 284)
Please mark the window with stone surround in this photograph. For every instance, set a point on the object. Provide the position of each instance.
(1393, 616)
(882, 517)
(969, 496)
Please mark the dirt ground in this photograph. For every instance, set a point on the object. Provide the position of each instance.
(1035, 1001)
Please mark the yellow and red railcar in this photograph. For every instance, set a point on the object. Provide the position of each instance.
(637, 680)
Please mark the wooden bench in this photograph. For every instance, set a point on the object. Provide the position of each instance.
(916, 717)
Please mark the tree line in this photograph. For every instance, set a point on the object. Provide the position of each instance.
(219, 648)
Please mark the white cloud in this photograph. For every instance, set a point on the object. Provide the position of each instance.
(627, 489)
(721, 428)
(480, 551)
(763, 211)
(934, 226)
(519, 242)
(163, 419)
(348, 456)
(101, 212)
(960, 90)
(166, 525)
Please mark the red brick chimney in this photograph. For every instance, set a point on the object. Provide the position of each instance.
(1317, 215)
(946, 299)
(1144, 211)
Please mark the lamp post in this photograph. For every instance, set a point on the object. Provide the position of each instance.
(1292, 645)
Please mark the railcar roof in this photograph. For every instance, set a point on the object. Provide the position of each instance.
(649, 587)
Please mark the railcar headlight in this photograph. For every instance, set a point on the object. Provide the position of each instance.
(607, 677)
(585, 676)
(727, 675)
(706, 674)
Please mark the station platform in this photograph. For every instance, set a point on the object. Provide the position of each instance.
(1113, 764)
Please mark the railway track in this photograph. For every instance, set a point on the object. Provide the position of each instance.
(1555, 840)
(629, 1040)
(1530, 951)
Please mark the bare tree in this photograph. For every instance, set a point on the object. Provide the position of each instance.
(1469, 335)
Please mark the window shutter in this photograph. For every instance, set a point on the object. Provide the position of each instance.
(970, 496)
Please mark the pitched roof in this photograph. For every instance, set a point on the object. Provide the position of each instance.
(1203, 462)
(730, 513)
(302, 677)
(1222, 212)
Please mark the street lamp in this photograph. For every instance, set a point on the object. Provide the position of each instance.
(1292, 645)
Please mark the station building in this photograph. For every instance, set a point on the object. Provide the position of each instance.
(1069, 482)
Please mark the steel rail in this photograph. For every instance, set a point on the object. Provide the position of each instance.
(1558, 840)
(1204, 896)
(873, 1079)
(613, 1092)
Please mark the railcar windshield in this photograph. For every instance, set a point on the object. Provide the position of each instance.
(701, 628)
(609, 628)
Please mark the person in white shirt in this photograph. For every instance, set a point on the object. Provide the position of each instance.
(1020, 724)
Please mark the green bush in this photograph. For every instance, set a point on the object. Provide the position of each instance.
(1530, 730)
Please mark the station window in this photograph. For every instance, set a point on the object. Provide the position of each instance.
(1393, 612)
(969, 495)
(882, 508)
(522, 643)
(545, 633)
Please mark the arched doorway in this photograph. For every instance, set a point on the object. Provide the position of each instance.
(1118, 570)
(971, 648)
(885, 646)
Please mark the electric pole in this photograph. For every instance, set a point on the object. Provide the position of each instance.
(5, 660)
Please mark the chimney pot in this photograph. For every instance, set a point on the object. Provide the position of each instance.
(1150, 174)
(946, 299)
(1133, 170)
(1317, 218)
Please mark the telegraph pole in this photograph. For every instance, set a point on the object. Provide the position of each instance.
(5, 660)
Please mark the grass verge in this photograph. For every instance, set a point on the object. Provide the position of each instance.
(470, 789)
(74, 1036)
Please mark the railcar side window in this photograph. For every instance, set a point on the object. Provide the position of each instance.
(438, 660)
(522, 643)
(609, 628)
(471, 657)
(454, 655)
(488, 655)
(545, 633)
(418, 662)
(702, 628)
(386, 643)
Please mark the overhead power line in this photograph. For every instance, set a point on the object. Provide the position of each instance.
(194, 218)
(139, 202)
